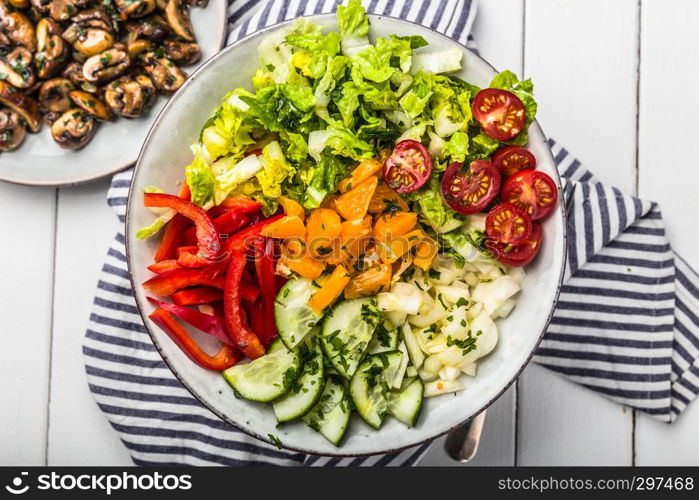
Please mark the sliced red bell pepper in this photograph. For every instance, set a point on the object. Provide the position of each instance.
(196, 296)
(237, 323)
(230, 222)
(242, 203)
(164, 266)
(207, 323)
(189, 256)
(249, 291)
(243, 240)
(226, 357)
(264, 267)
(207, 236)
(167, 283)
(256, 313)
(172, 234)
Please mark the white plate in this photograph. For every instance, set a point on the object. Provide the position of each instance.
(39, 161)
(161, 163)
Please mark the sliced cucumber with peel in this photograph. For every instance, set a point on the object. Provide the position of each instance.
(405, 404)
(266, 378)
(331, 415)
(370, 387)
(292, 314)
(347, 331)
(385, 339)
(306, 391)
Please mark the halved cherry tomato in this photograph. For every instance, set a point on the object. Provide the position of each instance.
(499, 113)
(516, 255)
(513, 159)
(470, 191)
(533, 191)
(508, 224)
(408, 167)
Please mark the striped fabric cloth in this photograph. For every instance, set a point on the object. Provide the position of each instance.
(627, 323)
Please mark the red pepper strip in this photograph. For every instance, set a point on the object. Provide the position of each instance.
(172, 234)
(236, 321)
(226, 357)
(230, 222)
(188, 256)
(164, 266)
(264, 267)
(249, 291)
(243, 240)
(196, 296)
(242, 203)
(207, 235)
(256, 313)
(207, 323)
(167, 283)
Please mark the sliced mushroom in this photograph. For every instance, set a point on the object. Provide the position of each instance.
(90, 18)
(74, 72)
(91, 104)
(94, 41)
(16, 68)
(73, 129)
(165, 74)
(135, 8)
(12, 131)
(60, 10)
(107, 65)
(53, 53)
(130, 97)
(177, 15)
(153, 28)
(18, 28)
(137, 47)
(182, 52)
(19, 4)
(22, 104)
(53, 95)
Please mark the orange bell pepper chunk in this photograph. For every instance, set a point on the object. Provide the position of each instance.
(292, 207)
(385, 199)
(354, 204)
(395, 248)
(331, 289)
(304, 265)
(354, 237)
(290, 226)
(394, 224)
(425, 252)
(322, 229)
(370, 282)
(363, 171)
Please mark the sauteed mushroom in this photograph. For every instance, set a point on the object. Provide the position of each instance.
(106, 65)
(89, 18)
(166, 76)
(17, 27)
(177, 16)
(94, 41)
(60, 10)
(73, 129)
(52, 52)
(91, 104)
(182, 52)
(12, 131)
(135, 8)
(53, 95)
(16, 67)
(19, 4)
(153, 28)
(137, 47)
(74, 72)
(22, 104)
(130, 97)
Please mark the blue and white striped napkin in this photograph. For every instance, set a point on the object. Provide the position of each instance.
(627, 324)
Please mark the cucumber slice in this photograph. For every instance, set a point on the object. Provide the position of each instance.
(346, 333)
(267, 378)
(306, 391)
(406, 403)
(331, 414)
(276, 345)
(385, 339)
(292, 314)
(370, 387)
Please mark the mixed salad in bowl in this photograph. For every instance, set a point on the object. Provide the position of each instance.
(350, 230)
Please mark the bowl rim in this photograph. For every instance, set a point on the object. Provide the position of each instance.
(84, 179)
(240, 426)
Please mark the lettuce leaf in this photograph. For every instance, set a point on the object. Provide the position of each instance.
(457, 147)
(354, 27)
(275, 170)
(322, 179)
(225, 133)
(433, 209)
(200, 177)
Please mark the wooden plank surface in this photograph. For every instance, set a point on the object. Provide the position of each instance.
(584, 72)
(668, 175)
(78, 431)
(27, 223)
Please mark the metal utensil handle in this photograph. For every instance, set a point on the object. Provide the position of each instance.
(462, 442)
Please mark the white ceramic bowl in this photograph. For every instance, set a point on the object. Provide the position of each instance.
(161, 163)
(39, 161)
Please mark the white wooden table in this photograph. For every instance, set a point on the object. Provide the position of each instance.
(615, 82)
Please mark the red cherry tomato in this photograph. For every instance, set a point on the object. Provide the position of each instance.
(533, 191)
(500, 113)
(408, 167)
(508, 224)
(470, 191)
(516, 255)
(513, 159)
